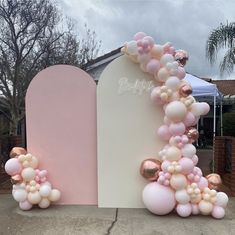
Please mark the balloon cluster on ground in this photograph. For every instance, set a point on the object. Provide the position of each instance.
(176, 182)
(30, 185)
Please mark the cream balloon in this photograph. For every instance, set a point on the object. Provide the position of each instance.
(173, 154)
(34, 162)
(34, 198)
(205, 207)
(54, 195)
(44, 203)
(28, 174)
(178, 181)
(162, 75)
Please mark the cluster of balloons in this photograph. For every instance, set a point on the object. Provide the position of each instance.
(176, 182)
(31, 186)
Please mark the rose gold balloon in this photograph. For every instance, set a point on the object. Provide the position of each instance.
(150, 168)
(185, 90)
(16, 151)
(214, 181)
(192, 134)
(16, 179)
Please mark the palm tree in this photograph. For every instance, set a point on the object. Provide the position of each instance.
(222, 37)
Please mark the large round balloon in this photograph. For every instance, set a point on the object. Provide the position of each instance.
(159, 199)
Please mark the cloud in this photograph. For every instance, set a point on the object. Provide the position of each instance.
(185, 23)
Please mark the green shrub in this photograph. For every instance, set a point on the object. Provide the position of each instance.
(229, 124)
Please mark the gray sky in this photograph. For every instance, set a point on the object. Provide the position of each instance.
(185, 23)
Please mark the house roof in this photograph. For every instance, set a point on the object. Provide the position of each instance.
(108, 57)
(226, 87)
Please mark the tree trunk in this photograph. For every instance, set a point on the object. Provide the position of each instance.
(14, 125)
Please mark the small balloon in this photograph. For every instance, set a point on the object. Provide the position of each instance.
(185, 90)
(192, 134)
(214, 181)
(150, 168)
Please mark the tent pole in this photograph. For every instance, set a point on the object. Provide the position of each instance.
(221, 117)
(214, 130)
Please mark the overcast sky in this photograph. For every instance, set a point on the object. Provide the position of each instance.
(185, 23)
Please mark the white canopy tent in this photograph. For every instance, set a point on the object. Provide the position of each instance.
(204, 88)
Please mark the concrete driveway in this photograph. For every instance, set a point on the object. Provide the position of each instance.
(66, 220)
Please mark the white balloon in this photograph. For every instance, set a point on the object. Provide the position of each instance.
(20, 195)
(176, 111)
(132, 47)
(45, 190)
(166, 58)
(221, 199)
(188, 151)
(172, 83)
(182, 196)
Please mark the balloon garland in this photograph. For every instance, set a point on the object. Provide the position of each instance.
(30, 185)
(175, 181)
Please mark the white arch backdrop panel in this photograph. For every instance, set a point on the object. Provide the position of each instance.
(127, 122)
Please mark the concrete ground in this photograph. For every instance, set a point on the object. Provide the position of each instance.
(89, 220)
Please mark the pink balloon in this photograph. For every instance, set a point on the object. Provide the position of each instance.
(158, 199)
(13, 167)
(177, 128)
(195, 159)
(164, 165)
(203, 183)
(187, 165)
(189, 119)
(153, 66)
(205, 108)
(25, 205)
(150, 40)
(180, 73)
(195, 209)
(139, 36)
(163, 132)
(184, 210)
(218, 212)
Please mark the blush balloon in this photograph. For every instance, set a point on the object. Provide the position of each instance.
(184, 210)
(187, 165)
(177, 128)
(163, 132)
(158, 199)
(203, 183)
(13, 167)
(180, 73)
(25, 205)
(189, 119)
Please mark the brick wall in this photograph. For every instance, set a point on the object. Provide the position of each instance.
(225, 153)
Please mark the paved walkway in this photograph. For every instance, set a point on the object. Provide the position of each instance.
(90, 220)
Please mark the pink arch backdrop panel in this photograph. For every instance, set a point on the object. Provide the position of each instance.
(61, 131)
